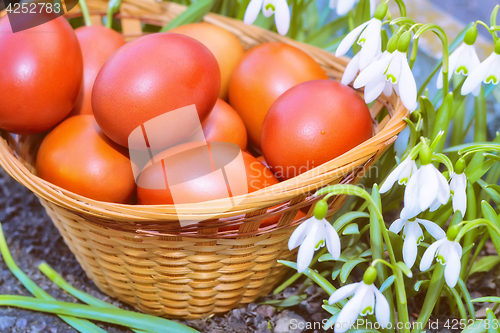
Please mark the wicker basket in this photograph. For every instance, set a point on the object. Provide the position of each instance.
(141, 255)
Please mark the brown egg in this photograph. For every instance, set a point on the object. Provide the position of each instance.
(226, 48)
(41, 72)
(311, 124)
(98, 43)
(194, 170)
(225, 125)
(264, 73)
(151, 77)
(78, 157)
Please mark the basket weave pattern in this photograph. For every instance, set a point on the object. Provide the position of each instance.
(141, 255)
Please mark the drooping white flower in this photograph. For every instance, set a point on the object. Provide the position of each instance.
(367, 299)
(279, 8)
(344, 6)
(427, 188)
(488, 72)
(400, 174)
(448, 254)
(458, 187)
(390, 68)
(312, 235)
(413, 235)
(463, 60)
(368, 36)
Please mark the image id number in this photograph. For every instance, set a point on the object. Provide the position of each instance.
(33, 8)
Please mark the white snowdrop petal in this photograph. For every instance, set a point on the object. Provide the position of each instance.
(368, 302)
(452, 269)
(393, 72)
(397, 225)
(349, 40)
(332, 240)
(428, 187)
(477, 76)
(432, 228)
(388, 89)
(429, 254)
(307, 248)
(393, 177)
(351, 70)
(253, 10)
(282, 16)
(373, 89)
(343, 293)
(371, 45)
(348, 315)
(410, 248)
(299, 234)
(382, 310)
(407, 87)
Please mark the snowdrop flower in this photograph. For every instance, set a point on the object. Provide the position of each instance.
(367, 35)
(427, 188)
(367, 299)
(448, 253)
(390, 70)
(400, 174)
(458, 187)
(463, 60)
(413, 235)
(312, 234)
(344, 6)
(269, 7)
(488, 72)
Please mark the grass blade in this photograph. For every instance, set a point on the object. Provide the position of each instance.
(113, 316)
(78, 324)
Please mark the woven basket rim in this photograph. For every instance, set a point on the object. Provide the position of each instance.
(270, 196)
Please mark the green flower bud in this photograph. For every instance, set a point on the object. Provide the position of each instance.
(392, 45)
(404, 41)
(381, 11)
(321, 209)
(452, 232)
(471, 35)
(497, 47)
(460, 166)
(370, 276)
(415, 116)
(425, 155)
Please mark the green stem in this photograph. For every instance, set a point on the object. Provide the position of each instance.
(85, 13)
(297, 275)
(433, 294)
(113, 7)
(471, 214)
(78, 324)
(402, 7)
(480, 124)
(446, 53)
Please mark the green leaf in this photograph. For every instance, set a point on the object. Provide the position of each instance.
(113, 316)
(347, 218)
(465, 292)
(487, 299)
(193, 14)
(402, 266)
(485, 264)
(287, 302)
(351, 229)
(479, 326)
(333, 310)
(420, 284)
(474, 173)
(490, 316)
(397, 245)
(348, 267)
(490, 214)
(488, 189)
(387, 283)
(313, 275)
(336, 269)
(321, 36)
(331, 322)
